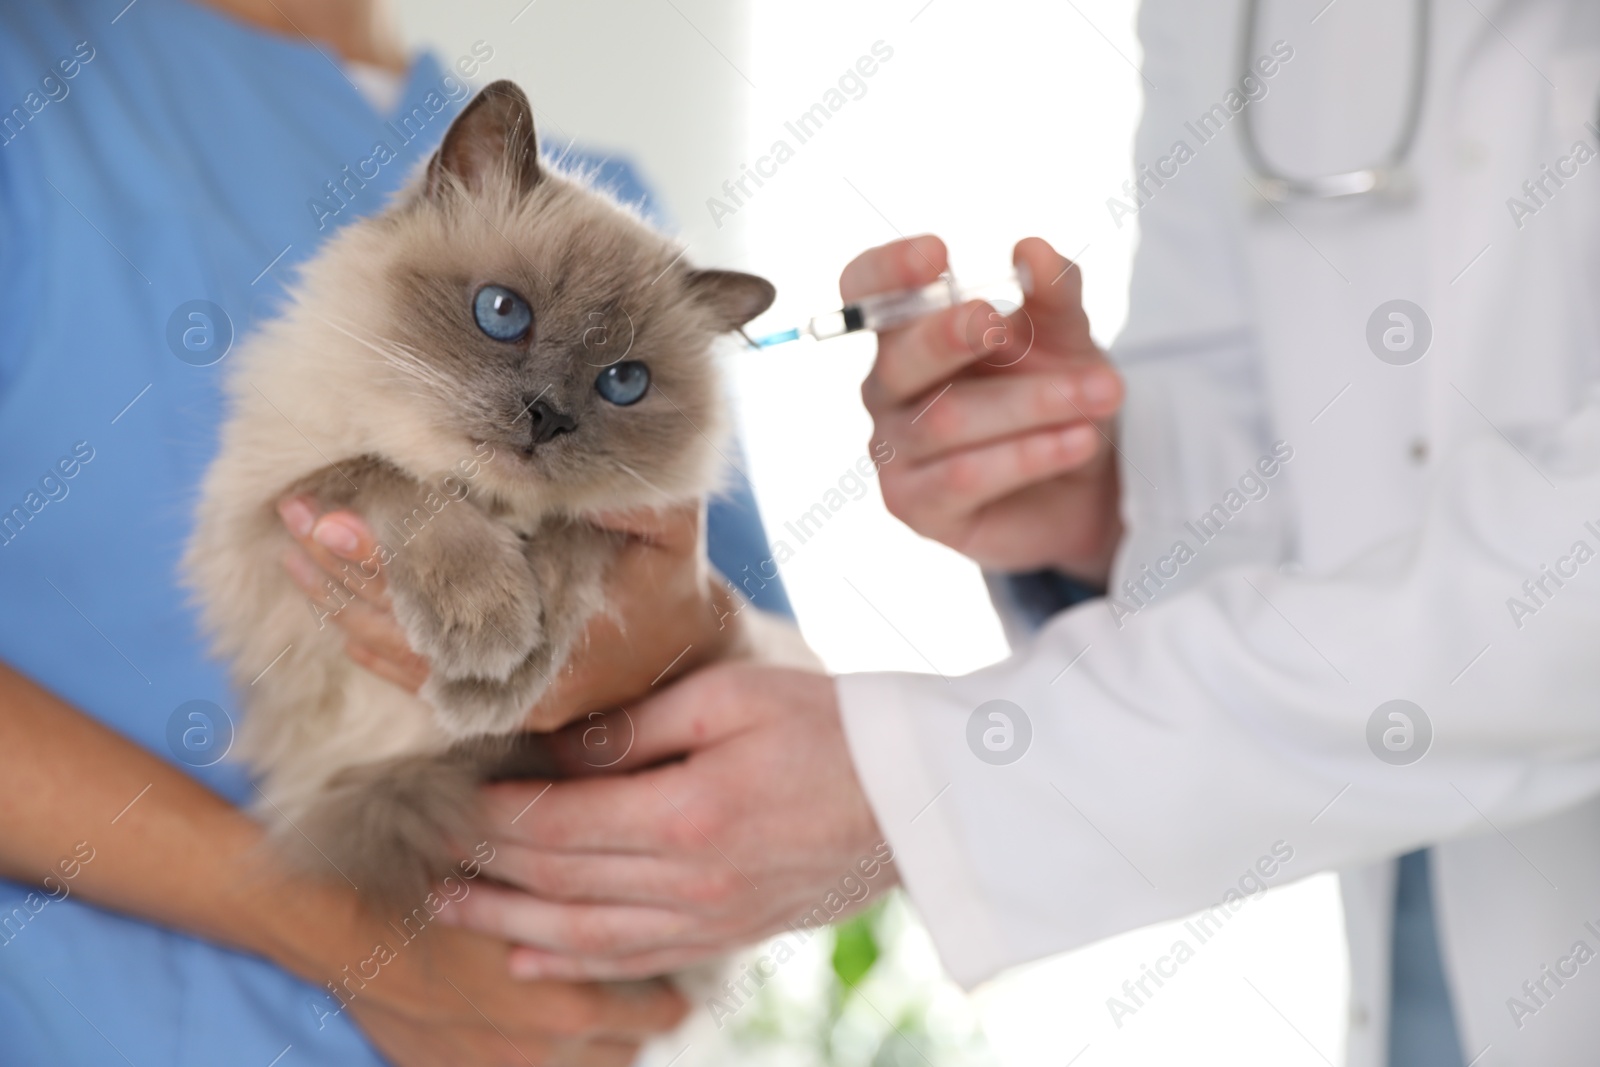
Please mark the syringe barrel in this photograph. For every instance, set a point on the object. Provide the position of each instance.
(885, 311)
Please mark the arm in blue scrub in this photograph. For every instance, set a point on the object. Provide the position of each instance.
(88, 816)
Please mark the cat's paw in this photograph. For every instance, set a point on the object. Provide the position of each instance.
(474, 707)
(479, 623)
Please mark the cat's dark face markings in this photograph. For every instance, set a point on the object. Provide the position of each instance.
(552, 323)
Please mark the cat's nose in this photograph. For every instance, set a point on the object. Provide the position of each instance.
(548, 422)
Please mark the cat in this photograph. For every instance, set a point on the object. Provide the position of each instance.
(499, 352)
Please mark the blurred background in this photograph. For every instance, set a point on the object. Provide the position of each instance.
(982, 123)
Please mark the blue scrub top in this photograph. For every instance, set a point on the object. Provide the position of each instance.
(148, 159)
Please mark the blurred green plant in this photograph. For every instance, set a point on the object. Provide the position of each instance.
(855, 947)
(867, 992)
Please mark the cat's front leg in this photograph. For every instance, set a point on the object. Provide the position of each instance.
(564, 563)
(463, 591)
(467, 598)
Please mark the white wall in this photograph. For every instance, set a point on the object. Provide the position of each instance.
(656, 81)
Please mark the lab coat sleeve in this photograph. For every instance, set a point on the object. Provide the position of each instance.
(1219, 741)
(1222, 739)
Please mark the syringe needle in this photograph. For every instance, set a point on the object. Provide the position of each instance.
(771, 339)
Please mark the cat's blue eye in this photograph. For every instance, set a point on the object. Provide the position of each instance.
(624, 383)
(502, 314)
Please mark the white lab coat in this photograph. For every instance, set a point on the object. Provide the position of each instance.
(1176, 746)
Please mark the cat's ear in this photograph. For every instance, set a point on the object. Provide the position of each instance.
(491, 139)
(734, 296)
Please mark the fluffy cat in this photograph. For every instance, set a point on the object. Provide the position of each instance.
(499, 352)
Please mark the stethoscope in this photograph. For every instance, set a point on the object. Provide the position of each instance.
(1388, 175)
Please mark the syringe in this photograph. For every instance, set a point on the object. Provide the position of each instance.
(884, 311)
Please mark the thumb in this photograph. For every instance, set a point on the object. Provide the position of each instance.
(696, 712)
(1052, 287)
(668, 527)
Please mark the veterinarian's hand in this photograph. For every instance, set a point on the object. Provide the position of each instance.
(670, 612)
(1001, 427)
(444, 999)
(761, 823)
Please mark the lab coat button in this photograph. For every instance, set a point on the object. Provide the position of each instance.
(1419, 451)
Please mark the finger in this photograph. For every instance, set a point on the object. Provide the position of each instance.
(574, 929)
(368, 622)
(349, 551)
(409, 676)
(380, 631)
(326, 595)
(526, 962)
(905, 264)
(691, 713)
(927, 352)
(299, 515)
(1052, 287)
(607, 878)
(341, 544)
(975, 411)
(620, 814)
(965, 481)
(374, 638)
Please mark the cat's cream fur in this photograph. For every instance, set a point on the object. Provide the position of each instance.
(376, 390)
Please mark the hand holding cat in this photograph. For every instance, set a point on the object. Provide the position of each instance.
(451, 1003)
(670, 613)
(1001, 427)
(639, 867)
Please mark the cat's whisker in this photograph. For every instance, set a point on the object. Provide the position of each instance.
(409, 362)
(642, 479)
(389, 354)
(404, 349)
(418, 370)
(421, 376)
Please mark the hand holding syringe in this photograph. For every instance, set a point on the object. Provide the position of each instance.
(1000, 427)
(886, 311)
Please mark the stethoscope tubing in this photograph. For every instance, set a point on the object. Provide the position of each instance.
(1279, 187)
